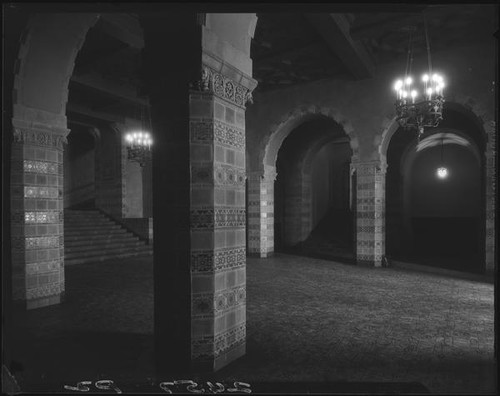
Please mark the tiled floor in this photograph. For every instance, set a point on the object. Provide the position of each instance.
(307, 320)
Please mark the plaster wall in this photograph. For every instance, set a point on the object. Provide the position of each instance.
(330, 183)
(79, 179)
(134, 189)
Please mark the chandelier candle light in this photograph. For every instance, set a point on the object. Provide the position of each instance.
(419, 107)
(139, 146)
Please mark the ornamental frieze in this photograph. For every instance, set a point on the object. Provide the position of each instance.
(213, 82)
(39, 138)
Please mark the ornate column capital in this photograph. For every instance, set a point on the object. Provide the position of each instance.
(39, 136)
(223, 80)
(268, 175)
(369, 167)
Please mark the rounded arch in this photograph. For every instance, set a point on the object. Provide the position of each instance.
(448, 136)
(467, 124)
(293, 119)
(467, 108)
(45, 63)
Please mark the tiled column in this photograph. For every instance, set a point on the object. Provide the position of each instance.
(198, 115)
(490, 199)
(261, 212)
(37, 214)
(370, 217)
(307, 207)
(218, 276)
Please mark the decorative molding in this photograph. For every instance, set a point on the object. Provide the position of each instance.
(230, 136)
(30, 136)
(210, 81)
(228, 175)
(369, 168)
(201, 131)
(268, 176)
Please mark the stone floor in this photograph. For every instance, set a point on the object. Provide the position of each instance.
(308, 320)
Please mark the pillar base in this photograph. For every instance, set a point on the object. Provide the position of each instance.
(44, 301)
(369, 263)
(261, 255)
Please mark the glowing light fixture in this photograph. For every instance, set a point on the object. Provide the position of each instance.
(139, 143)
(442, 171)
(419, 108)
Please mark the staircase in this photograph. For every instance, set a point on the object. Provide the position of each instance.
(89, 236)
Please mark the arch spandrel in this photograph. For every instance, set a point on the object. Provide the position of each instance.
(279, 132)
(46, 61)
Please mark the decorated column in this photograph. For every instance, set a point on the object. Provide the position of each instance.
(37, 214)
(217, 149)
(370, 216)
(198, 115)
(261, 212)
(490, 198)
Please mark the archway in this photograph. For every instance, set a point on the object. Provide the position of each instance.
(312, 213)
(437, 221)
(262, 176)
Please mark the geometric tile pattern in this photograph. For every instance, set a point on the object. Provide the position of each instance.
(261, 212)
(370, 212)
(217, 223)
(218, 217)
(42, 192)
(40, 167)
(37, 215)
(490, 196)
(41, 217)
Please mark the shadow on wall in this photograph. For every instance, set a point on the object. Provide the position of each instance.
(79, 169)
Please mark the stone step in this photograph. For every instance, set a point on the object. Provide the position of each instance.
(122, 244)
(85, 218)
(90, 236)
(79, 240)
(89, 213)
(88, 233)
(92, 227)
(100, 240)
(105, 252)
(106, 257)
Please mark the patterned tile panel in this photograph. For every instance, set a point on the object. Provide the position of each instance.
(42, 242)
(41, 167)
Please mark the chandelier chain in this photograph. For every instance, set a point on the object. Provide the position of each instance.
(409, 57)
(427, 44)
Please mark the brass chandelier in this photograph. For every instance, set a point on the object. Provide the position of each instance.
(419, 107)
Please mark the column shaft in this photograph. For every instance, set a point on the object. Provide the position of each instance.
(490, 201)
(37, 215)
(199, 199)
(261, 213)
(370, 217)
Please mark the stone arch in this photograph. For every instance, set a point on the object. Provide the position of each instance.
(305, 168)
(466, 106)
(293, 119)
(486, 149)
(44, 66)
